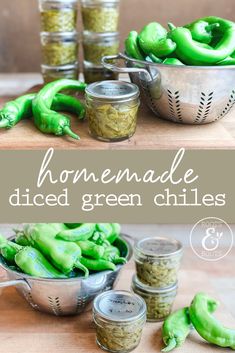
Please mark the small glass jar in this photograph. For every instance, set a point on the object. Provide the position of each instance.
(53, 73)
(93, 73)
(157, 261)
(100, 15)
(59, 48)
(119, 317)
(58, 15)
(111, 109)
(159, 302)
(97, 45)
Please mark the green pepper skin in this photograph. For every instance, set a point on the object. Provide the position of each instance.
(91, 249)
(227, 61)
(21, 108)
(190, 53)
(9, 249)
(99, 238)
(21, 239)
(97, 265)
(155, 59)
(172, 61)
(65, 256)
(112, 254)
(132, 48)
(33, 263)
(47, 120)
(205, 323)
(202, 31)
(83, 232)
(176, 329)
(73, 225)
(116, 230)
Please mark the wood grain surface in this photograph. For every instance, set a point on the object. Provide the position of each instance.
(152, 133)
(20, 25)
(23, 329)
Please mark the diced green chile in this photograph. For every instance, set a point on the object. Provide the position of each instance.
(58, 20)
(100, 18)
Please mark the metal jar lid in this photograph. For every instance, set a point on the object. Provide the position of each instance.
(160, 247)
(119, 306)
(104, 37)
(112, 91)
(151, 290)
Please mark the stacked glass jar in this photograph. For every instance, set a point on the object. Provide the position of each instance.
(157, 263)
(59, 39)
(100, 37)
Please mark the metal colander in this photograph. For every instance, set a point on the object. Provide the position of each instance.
(62, 296)
(182, 94)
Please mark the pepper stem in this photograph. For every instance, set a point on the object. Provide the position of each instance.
(4, 123)
(82, 267)
(210, 28)
(171, 345)
(171, 26)
(69, 132)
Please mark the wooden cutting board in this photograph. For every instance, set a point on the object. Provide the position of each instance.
(23, 329)
(152, 133)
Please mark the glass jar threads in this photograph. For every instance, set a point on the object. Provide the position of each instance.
(159, 302)
(59, 48)
(93, 73)
(97, 45)
(100, 15)
(52, 73)
(58, 15)
(157, 261)
(119, 317)
(111, 108)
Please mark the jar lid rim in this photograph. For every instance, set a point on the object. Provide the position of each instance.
(111, 90)
(96, 35)
(165, 247)
(104, 305)
(147, 289)
(72, 35)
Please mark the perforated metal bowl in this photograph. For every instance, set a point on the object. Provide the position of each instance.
(62, 296)
(182, 94)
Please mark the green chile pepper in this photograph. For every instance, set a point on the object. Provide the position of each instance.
(193, 54)
(91, 249)
(176, 329)
(33, 263)
(154, 58)
(99, 238)
(97, 265)
(205, 323)
(21, 108)
(202, 31)
(47, 120)
(73, 225)
(21, 239)
(112, 254)
(227, 61)
(116, 230)
(172, 61)
(65, 256)
(153, 39)
(9, 249)
(83, 232)
(104, 228)
(132, 47)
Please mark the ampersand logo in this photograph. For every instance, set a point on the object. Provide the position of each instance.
(211, 239)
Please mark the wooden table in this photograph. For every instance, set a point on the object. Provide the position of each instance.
(23, 329)
(152, 133)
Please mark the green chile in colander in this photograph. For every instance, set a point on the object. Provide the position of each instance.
(157, 261)
(119, 318)
(159, 302)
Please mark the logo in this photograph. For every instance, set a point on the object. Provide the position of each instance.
(211, 239)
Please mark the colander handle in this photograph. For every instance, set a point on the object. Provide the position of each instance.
(106, 63)
(14, 283)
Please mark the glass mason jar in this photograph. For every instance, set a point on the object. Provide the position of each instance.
(58, 15)
(159, 302)
(59, 48)
(53, 73)
(97, 45)
(93, 73)
(111, 109)
(100, 15)
(157, 261)
(119, 317)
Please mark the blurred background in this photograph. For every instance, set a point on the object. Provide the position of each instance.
(19, 25)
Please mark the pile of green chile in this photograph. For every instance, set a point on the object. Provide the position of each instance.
(58, 250)
(199, 315)
(43, 107)
(204, 42)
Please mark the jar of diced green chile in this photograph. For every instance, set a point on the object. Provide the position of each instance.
(59, 48)
(53, 73)
(157, 261)
(97, 45)
(58, 15)
(111, 110)
(100, 15)
(159, 302)
(93, 73)
(119, 317)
